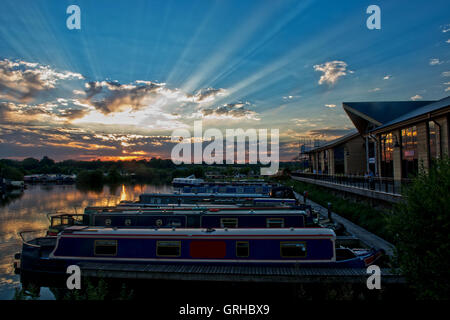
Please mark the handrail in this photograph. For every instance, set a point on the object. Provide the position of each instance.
(375, 183)
(25, 241)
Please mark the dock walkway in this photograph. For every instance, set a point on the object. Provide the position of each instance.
(368, 238)
(233, 273)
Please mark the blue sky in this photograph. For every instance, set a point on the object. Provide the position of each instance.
(139, 69)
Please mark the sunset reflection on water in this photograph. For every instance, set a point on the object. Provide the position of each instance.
(29, 212)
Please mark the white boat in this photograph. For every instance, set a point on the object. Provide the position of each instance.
(191, 181)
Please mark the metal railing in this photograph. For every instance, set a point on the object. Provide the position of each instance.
(380, 184)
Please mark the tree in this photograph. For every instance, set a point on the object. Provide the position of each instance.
(30, 163)
(10, 173)
(421, 229)
(46, 161)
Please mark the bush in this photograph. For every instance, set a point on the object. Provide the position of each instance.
(421, 226)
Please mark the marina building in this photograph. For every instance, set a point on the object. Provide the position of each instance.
(391, 139)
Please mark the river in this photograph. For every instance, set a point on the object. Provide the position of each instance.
(28, 211)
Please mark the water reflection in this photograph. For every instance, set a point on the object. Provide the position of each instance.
(28, 211)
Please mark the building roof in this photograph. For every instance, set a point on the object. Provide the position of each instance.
(431, 107)
(367, 115)
(336, 142)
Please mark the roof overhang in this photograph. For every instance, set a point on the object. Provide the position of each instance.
(360, 120)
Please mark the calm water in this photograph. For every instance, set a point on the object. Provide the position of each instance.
(29, 212)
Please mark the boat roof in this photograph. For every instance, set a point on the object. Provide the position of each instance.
(209, 211)
(80, 230)
(206, 194)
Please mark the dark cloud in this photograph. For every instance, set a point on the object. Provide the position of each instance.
(21, 81)
(233, 110)
(108, 97)
(207, 94)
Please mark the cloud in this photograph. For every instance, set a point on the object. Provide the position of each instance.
(387, 77)
(446, 74)
(445, 28)
(207, 95)
(332, 71)
(65, 142)
(231, 110)
(22, 81)
(374, 90)
(60, 110)
(435, 61)
(330, 105)
(109, 96)
(448, 41)
(329, 133)
(290, 97)
(416, 97)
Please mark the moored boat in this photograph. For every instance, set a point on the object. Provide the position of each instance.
(297, 217)
(312, 247)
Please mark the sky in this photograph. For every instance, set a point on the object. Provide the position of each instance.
(137, 70)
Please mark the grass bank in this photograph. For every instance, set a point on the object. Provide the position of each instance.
(362, 214)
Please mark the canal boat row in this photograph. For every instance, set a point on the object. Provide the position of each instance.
(312, 247)
(178, 228)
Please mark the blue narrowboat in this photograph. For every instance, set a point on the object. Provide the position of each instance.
(182, 218)
(172, 202)
(197, 198)
(313, 247)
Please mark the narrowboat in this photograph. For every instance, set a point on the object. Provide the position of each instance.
(296, 247)
(200, 218)
(256, 203)
(197, 198)
(188, 181)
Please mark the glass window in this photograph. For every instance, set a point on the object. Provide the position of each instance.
(228, 223)
(275, 222)
(293, 249)
(168, 248)
(387, 151)
(242, 249)
(410, 162)
(105, 247)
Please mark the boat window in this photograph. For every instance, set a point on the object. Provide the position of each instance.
(293, 249)
(228, 222)
(242, 249)
(275, 222)
(107, 222)
(168, 248)
(127, 222)
(105, 247)
(56, 221)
